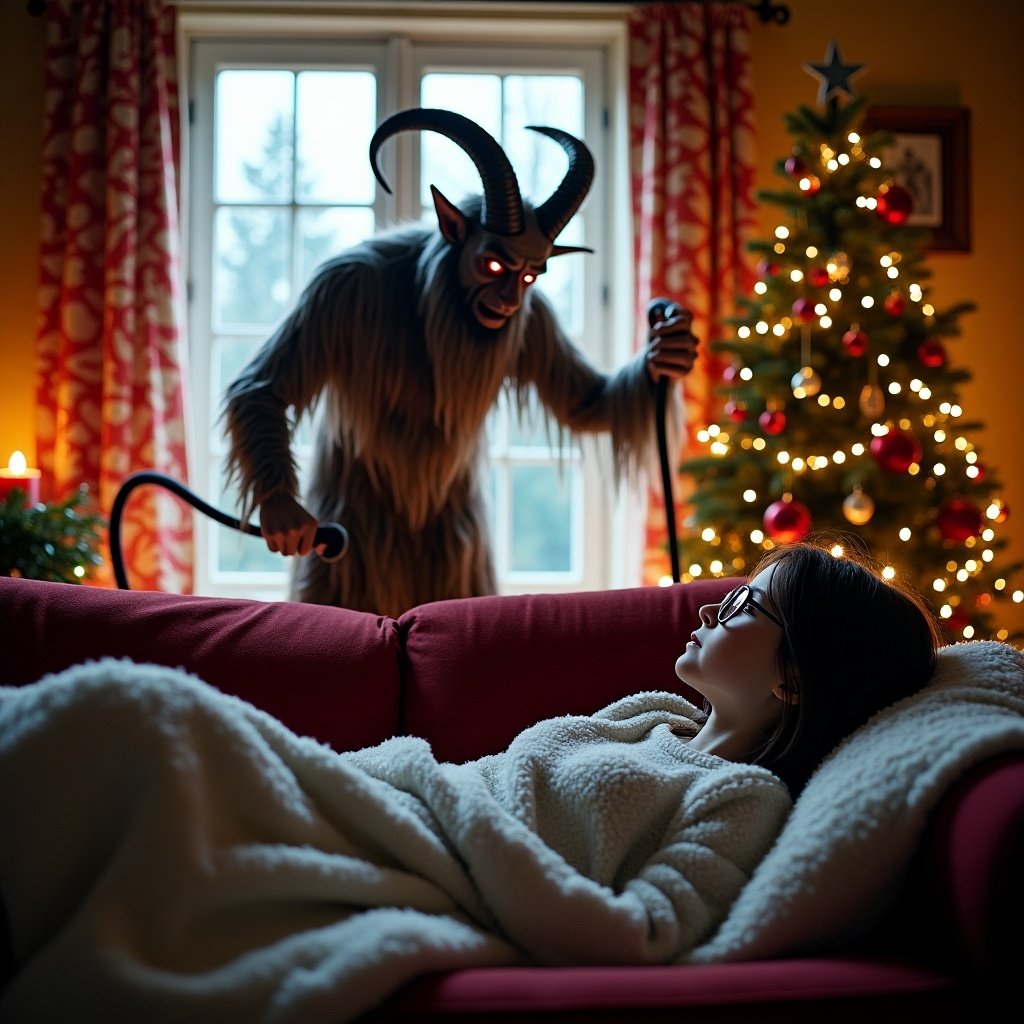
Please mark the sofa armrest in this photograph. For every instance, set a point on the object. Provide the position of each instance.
(480, 670)
(963, 897)
(977, 857)
(329, 673)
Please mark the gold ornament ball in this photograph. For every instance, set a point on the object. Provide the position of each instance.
(872, 401)
(858, 508)
(805, 383)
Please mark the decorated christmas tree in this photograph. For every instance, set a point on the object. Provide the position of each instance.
(840, 400)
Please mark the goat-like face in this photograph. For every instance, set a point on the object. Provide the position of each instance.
(494, 271)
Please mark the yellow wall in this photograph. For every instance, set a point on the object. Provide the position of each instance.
(917, 52)
(21, 114)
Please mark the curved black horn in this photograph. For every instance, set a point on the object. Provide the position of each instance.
(557, 210)
(502, 210)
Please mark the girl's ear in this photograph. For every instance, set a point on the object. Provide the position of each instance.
(787, 693)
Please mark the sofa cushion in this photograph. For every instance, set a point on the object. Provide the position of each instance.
(329, 673)
(480, 670)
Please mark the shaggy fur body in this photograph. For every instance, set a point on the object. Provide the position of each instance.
(381, 335)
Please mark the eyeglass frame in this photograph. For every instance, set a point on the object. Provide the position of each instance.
(746, 599)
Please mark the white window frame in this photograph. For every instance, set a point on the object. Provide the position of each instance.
(609, 549)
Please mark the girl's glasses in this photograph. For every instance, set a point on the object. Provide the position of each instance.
(736, 600)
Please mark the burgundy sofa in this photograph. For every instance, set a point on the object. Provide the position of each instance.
(470, 674)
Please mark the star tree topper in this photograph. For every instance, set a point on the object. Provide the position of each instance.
(834, 74)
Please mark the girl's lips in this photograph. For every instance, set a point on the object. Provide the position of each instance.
(694, 640)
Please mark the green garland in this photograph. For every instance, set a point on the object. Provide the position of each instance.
(56, 541)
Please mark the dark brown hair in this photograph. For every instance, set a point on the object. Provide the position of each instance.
(854, 643)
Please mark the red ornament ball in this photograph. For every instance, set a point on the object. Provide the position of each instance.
(772, 421)
(765, 268)
(736, 411)
(856, 342)
(795, 167)
(811, 184)
(895, 304)
(803, 311)
(818, 276)
(932, 353)
(959, 519)
(896, 451)
(787, 521)
(956, 621)
(894, 204)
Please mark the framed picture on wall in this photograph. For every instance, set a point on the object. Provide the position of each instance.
(930, 157)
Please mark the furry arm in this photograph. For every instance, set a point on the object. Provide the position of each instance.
(584, 400)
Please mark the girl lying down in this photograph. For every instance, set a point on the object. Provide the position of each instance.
(169, 853)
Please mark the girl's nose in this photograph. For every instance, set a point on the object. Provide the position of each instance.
(708, 614)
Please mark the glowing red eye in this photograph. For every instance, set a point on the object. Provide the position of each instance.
(529, 278)
(494, 267)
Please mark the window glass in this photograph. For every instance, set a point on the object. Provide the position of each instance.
(541, 520)
(253, 136)
(252, 279)
(335, 118)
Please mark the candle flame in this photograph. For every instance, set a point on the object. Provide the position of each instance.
(18, 463)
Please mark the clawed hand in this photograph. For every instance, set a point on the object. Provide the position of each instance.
(287, 527)
(671, 347)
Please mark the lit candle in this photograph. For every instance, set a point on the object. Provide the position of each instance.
(19, 475)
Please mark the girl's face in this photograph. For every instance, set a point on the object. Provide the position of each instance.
(734, 664)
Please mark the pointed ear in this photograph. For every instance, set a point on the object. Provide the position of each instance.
(449, 218)
(561, 250)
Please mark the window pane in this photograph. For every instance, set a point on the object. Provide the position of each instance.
(235, 551)
(231, 356)
(562, 281)
(253, 136)
(251, 267)
(336, 113)
(554, 101)
(541, 517)
(444, 163)
(324, 233)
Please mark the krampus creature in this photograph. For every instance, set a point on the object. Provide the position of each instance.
(407, 339)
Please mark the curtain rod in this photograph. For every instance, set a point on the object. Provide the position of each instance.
(764, 9)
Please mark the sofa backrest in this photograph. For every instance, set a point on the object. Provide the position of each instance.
(329, 673)
(466, 674)
(480, 670)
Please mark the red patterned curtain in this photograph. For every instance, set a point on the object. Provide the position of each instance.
(693, 166)
(111, 347)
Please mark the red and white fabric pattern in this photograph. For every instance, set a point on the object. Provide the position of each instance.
(693, 166)
(111, 348)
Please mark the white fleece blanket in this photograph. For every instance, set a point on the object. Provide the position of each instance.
(835, 868)
(168, 853)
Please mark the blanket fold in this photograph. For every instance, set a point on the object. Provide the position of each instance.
(171, 853)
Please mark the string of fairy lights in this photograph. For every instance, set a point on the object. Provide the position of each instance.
(896, 439)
